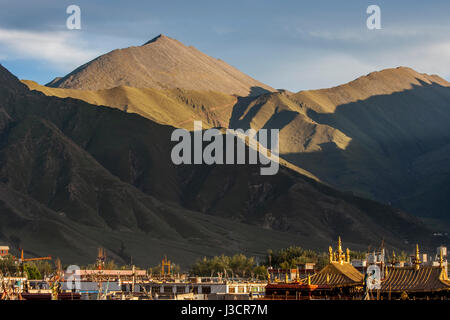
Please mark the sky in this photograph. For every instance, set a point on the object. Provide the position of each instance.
(288, 44)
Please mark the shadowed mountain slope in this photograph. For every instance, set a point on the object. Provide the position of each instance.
(75, 176)
(384, 136)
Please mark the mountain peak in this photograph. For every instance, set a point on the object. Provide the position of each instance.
(383, 82)
(160, 37)
(8, 80)
(401, 76)
(161, 63)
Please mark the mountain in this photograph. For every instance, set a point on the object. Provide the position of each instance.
(176, 107)
(161, 63)
(74, 176)
(384, 136)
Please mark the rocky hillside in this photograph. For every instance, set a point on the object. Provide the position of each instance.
(384, 136)
(75, 176)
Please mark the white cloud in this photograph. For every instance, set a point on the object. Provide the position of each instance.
(315, 68)
(429, 58)
(64, 50)
(413, 33)
(324, 58)
(322, 70)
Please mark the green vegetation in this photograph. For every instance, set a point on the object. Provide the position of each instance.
(33, 270)
(8, 266)
(293, 256)
(236, 266)
(240, 265)
(402, 256)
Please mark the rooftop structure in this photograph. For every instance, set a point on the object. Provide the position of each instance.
(4, 250)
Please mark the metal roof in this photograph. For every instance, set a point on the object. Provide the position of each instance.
(426, 278)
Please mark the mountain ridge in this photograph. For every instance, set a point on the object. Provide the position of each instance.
(370, 136)
(106, 176)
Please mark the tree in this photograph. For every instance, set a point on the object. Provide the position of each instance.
(32, 271)
(8, 266)
(45, 268)
(260, 272)
(289, 258)
(237, 265)
(111, 265)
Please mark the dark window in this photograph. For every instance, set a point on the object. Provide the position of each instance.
(168, 289)
(206, 289)
(181, 289)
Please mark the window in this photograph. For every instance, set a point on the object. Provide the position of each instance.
(181, 289)
(206, 289)
(167, 289)
(231, 290)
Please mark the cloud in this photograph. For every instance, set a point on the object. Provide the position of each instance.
(429, 58)
(62, 49)
(314, 67)
(326, 58)
(360, 36)
(319, 70)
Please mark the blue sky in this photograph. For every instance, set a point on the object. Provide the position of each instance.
(294, 45)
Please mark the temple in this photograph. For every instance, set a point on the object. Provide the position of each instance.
(416, 282)
(340, 280)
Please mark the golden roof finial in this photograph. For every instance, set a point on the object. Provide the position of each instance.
(330, 251)
(340, 250)
(417, 258)
(441, 258)
(393, 258)
(347, 255)
(309, 280)
(286, 277)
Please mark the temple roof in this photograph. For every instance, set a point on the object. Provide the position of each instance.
(337, 274)
(426, 278)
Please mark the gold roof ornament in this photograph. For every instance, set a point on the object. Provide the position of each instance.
(309, 280)
(286, 277)
(340, 252)
(394, 259)
(417, 257)
(338, 255)
(441, 259)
